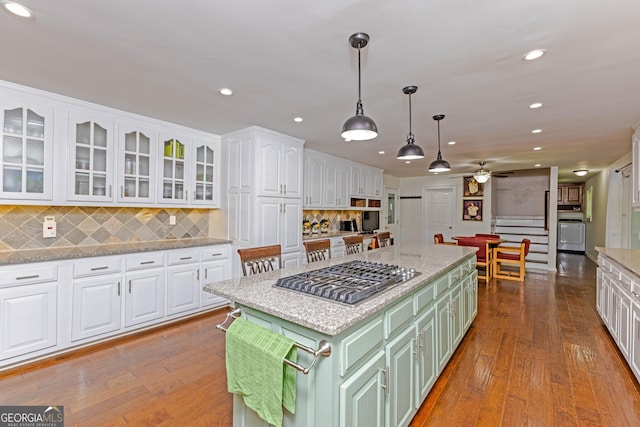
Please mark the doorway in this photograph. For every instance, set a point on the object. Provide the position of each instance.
(438, 206)
(390, 211)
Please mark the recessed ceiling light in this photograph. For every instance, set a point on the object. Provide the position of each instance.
(535, 105)
(534, 54)
(298, 119)
(537, 165)
(537, 148)
(536, 131)
(581, 172)
(451, 143)
(17, 9)
(380, 152)
(226, 91)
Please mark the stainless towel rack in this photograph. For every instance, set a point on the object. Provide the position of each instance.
(323, 350)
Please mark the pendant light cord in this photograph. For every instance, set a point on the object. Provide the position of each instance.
(439, 154)
(359, 78)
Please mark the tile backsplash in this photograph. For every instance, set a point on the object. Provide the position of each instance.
(21, 226)
(333, 216)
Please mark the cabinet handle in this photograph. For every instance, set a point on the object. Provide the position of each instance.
(193, 195)
(198, 274)
(385, 383)
(206, 274)
(122, 191)
(216, 254)
(129, 286)
(635, 295)
(285, 189)
(99, 268)
(416, 347)
(184, 258)
(109, 190)
(147, 262)
(280, 188)
(35, 276)
(118, 288)
(420, 345)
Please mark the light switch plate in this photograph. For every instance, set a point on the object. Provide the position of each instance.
(172, 220)
(49, 227)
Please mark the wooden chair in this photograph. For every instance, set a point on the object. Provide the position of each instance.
(384, 239)
(438, 239)
(484, 256)
(353, 244)
(260, 259)
(511, 256)
(318, 250)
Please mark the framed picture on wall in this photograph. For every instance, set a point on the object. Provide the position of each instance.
(472, 210)
(471, 187)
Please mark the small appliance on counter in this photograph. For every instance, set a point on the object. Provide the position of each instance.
(349, 225)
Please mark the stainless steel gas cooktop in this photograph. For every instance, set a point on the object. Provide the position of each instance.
(348, 283)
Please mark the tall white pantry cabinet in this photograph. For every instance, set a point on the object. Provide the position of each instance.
(264, 192)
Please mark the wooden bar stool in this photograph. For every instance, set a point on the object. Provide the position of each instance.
(318, 250)
(353, 244)
(384, 239)
(260, 259)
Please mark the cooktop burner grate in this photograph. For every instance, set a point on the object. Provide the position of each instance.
(349, 283)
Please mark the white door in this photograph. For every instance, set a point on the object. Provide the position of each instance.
(439, 212)
(390, 210)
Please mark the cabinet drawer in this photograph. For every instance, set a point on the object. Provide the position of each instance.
(442, 284)
(397, 316)
(28, 274)
(95, 266)
(145, 260)
(357, 346)
(424, 297)
(184, 256)
(215, 252)
(615, 271)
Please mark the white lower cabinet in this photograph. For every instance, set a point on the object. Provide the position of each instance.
(58, 305)
(426, 369)
(634, 336)
(400, 377)
(96, 306)
(28, 319)
(144, 296)
(443, 325)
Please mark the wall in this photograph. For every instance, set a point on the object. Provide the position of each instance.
(520, 196)
(596, 229)
(21, 226)
(410, 210)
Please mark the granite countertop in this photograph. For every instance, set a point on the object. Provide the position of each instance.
(628, 258)
(70, 252)
(331, 318)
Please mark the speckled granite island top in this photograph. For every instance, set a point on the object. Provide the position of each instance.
(329, 317)
(70, 252)
(628, 258)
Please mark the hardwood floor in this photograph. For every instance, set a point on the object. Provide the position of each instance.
(536, 355)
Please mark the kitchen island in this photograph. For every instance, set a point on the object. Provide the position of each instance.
(386, 351)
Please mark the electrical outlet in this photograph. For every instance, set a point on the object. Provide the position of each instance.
(48, 227)
(172, 220)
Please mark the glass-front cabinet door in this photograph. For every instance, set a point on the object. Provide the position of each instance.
(27, 151)
(173, 188)
(136, 164)
(205, 173)
(91, 151)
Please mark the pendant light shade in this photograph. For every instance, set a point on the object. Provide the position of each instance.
(359, 127)
(410, 151)
(439, 165)
(482, 175)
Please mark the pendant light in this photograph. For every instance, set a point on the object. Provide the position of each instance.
(359, 127)
(410, 151)
(439, 165)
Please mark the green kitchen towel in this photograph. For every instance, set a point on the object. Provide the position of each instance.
(255, 369)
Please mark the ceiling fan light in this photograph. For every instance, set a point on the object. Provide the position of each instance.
(581, 172)
(482, 177)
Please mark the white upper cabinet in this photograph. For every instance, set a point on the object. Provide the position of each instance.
(173, 162)
(342, 184)
(314, 171)
(90, 148)
(205, 174)
(27, 150)
(137, 159)
(103, 157)
(279, 171)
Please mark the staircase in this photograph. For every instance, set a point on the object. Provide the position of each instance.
(515, 228)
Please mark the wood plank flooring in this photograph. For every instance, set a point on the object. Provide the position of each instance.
(536, 355)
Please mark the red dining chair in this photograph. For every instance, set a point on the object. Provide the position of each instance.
(484, 254)
(438, 239)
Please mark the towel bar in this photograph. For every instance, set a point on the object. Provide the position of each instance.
(323, 350)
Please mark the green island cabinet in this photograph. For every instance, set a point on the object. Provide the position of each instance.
(381, 368)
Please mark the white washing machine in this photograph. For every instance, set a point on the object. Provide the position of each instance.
(571, 235)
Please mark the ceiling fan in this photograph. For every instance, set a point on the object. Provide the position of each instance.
(482, 175)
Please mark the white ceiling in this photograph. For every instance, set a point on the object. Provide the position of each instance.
(167, 59)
